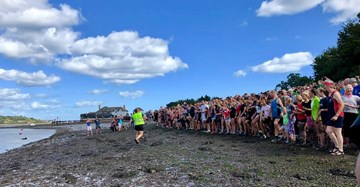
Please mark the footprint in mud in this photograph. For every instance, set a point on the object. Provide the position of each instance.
(124, 174)
(156, 143)
(208, 142)
(89, 154)
(204, 148)
(342, 172)
(70, 179)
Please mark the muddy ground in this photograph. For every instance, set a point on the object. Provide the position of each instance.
(169, 157)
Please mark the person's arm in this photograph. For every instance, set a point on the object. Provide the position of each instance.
(337, 97)
(281, 104)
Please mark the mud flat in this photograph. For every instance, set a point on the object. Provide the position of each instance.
(169, 157)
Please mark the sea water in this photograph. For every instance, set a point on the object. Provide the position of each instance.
(14, 138)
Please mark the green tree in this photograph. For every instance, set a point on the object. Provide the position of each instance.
(294, 80)
(343, 60)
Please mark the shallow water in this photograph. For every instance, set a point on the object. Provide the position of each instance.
(13, 138)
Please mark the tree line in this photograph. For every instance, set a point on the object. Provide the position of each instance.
(337, 62)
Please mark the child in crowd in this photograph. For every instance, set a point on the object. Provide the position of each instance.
(88, 127)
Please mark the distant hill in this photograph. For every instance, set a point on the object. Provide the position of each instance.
(18, 120)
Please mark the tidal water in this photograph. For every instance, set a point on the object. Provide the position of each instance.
(13, 138)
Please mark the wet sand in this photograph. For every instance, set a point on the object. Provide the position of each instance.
(169, 157)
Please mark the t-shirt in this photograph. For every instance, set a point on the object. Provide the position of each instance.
(315, 105)
(88, 124)
(308, 106)
(192, 111)
(226, 113)
(97, 122)
(352, 100)
(356, 90)
(232, 112)
(300, 116)
(324, 102)
(265, 110)
(203, 108)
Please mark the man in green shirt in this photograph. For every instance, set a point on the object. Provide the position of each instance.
(139, 123)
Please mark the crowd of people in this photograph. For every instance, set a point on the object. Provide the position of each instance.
(317, 115)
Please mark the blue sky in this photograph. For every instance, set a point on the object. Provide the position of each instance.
(63, 58)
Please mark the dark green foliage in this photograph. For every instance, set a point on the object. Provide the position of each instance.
(294, 80)
(342, 61)
(188, 101)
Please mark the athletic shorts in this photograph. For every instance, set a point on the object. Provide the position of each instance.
(88, 128)
(280, 120)
(301, 124)
(139, 127)
(203, 117)
(98, 127)
(338, 123)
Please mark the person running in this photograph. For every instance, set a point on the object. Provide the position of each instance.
(335, 109)
(97, 125)
(139, 122)
(88, 127)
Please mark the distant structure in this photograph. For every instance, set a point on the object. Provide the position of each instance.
(105, 113)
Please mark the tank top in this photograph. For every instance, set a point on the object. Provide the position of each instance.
(334, 105)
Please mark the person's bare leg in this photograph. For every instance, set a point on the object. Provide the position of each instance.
(140, 135)
(330, 132)
(339, 138)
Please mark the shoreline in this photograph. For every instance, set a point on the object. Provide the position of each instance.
(169, 157)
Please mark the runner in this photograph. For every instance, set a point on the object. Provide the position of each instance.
(335, 109)
(88, 127)
(97, 125)
(139, 123)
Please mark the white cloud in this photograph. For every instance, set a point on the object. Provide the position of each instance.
(240, 73)
(13, 99)
(44, 106)
(344, 9)
(85, 103)
(28, 79)
(10, 94)
(122, 57)
(286, 7)
(34, 29)
(287, 63)
(37, 31)
(41, 95)
(132, 95)
(98, 91)
(270, 39)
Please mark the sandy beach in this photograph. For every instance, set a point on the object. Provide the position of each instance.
(169, 157)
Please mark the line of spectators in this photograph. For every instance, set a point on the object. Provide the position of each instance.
(316, 115)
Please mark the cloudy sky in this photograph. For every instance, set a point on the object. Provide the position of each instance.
(60, 58)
